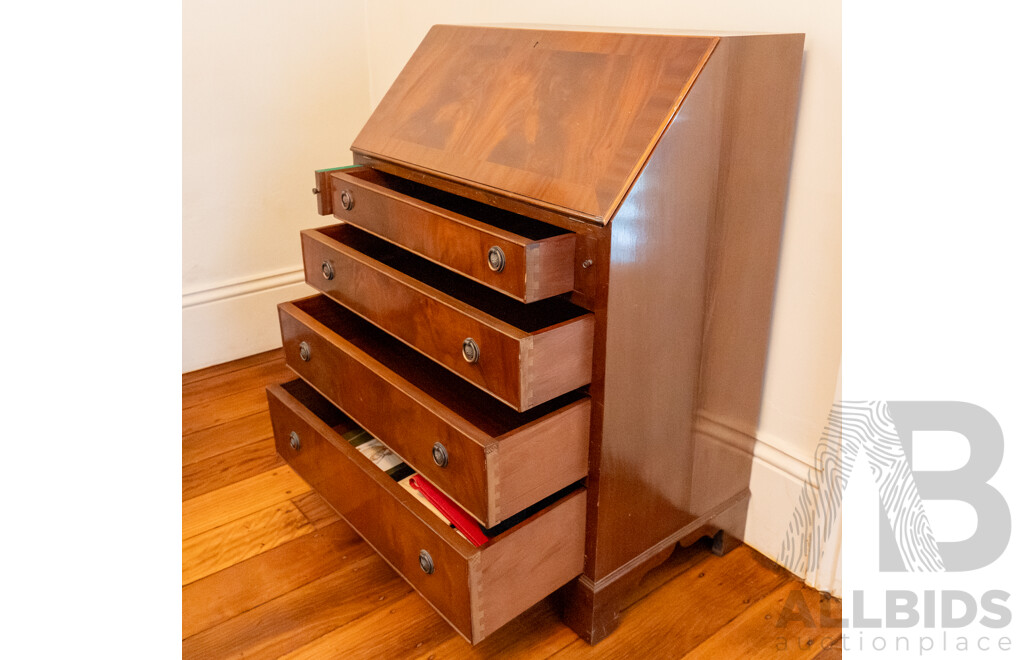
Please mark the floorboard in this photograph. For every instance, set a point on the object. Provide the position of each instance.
(833, 652)
(316, 510)
(228, 504)
(212, 441)
(209, 414)
(276, 354)
(250, 583)
(694, 605)
(270, 570)
(238, 540)
(288, 622)
(229, 467)
(215, 387)
(748, 636)
(536, 633)
(407, 625)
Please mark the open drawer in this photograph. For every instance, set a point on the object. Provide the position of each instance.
(522, 354)
(492, 460)
(476, 589)
(519, 256)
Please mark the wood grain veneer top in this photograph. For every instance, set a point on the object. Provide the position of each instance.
(563, 120)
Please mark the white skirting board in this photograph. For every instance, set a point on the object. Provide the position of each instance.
(235, 319)
(777, 481)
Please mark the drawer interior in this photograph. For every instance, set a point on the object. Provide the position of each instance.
(477, 589)
(528, 317)
(477, 407)
(500, 218)
(341, 424)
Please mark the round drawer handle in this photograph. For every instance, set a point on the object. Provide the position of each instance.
(426, 562)
(440, 455)
(470, 350)
(496, 259)
(304, 352)
(294, 441)
(327, 268)
(347, 200)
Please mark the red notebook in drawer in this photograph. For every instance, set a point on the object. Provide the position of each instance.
(452, 511)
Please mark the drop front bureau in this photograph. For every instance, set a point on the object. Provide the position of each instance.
(554, 253)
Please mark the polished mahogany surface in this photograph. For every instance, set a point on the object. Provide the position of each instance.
(563, 119)
(667, 157)
(525, 354)
(475, 589)
(500, 461)
(693, 252)
(533, 260)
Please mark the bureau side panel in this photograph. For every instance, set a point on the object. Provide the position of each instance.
(692, 274)
(655, 321)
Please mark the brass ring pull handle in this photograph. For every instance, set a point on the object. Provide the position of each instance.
(327, 269)
(470, 350)
(304, 352)
(347, 200)
(426, 562)
(496, 259)
(440, 455)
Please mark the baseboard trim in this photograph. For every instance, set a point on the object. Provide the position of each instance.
(778, 478)
(237, 318)
(722, 430)
(242, 287)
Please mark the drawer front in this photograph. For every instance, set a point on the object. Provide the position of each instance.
(521, 366)
(359, 495)
(475, 589)
(532, 265)
(496, 462)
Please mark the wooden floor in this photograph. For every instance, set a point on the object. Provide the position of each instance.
(269, 570)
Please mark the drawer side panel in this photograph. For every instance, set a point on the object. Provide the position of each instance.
(528, 563)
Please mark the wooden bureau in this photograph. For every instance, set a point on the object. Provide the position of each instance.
(556, 250)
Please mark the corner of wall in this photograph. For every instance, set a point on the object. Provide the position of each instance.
(262, 110)
(233, 321)
(780, 483)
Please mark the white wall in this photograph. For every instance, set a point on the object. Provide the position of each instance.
(272, 93)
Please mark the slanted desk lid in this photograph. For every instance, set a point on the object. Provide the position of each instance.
(561, 120)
